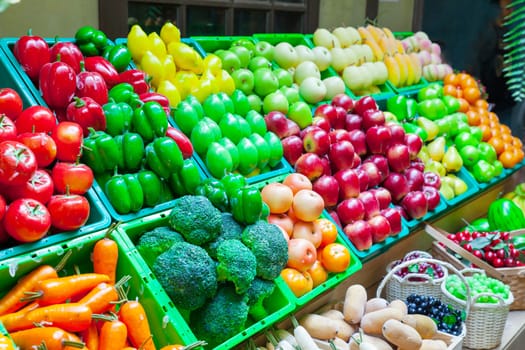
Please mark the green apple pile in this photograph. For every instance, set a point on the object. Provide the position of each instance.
(478, 283)
(228, 135)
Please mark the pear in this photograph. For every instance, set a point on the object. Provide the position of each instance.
(452, 161)
(447, 191)
(436, 148)
(436, 167)
(429, 126)
(459, 185)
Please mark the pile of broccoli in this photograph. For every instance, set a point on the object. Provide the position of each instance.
(211, 266)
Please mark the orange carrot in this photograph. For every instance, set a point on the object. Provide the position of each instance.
(133, 315)
(14, 321)
(90, 336)
(105, 257)
(184, 347)
(113, 335)
(101, 298)
(53, 337)
(58, 290)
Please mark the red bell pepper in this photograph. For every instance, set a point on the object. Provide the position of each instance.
(137, 79)
(87, 113)
(104, 67)
(155, 96)
(68, 53)
(57, 83)
(32, 52)
(92, 84)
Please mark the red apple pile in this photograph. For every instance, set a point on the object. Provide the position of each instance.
(366, 169)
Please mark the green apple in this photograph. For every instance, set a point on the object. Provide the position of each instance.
(305, 53)
(244, 80)
(301, 113)
(256, 122)
(230, 61)
(265, 82)
(231, 127)
(284, 77)
(275, 101)
(291, 93)
(244, 55)
(285, 55)
(322, 57)
(355, 78)
(304, 70)
(469, 154)
(334, 86)
(465, 138)
(264, 49)
(312, 90)
(263, 149)
(241, 105)
(247, 43)
(487, 152)
(255, 102)
(259, 62)
(214, 107)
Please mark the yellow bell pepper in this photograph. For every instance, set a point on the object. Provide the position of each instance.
(168, 89)
(153, 67)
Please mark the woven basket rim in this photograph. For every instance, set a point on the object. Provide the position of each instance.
(429, 279)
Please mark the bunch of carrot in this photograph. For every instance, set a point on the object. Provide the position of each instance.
(88, 310)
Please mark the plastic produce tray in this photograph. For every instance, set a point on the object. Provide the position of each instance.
(210, 44)
(333, 278)
(98, 219)
(166, 324)
(278, 305)
(406, 90)
(472, 185)
(10, 78)
(442, 206)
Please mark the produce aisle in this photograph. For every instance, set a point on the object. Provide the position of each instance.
(218, 192)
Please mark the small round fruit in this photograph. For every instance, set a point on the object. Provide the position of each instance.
(318, 273)
(297, 182)
(335, 257)
(328, 231)
(307, 205)
(301, 254)
(300, 283)
(278, 197)
(306, 230)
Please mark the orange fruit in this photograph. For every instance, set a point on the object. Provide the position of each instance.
(471, 94)
(493, 116)
(328, 231)
(482, 104)
(450, 90)
(497, 143)
(451, 79)
(486, 133)
(335, 257)
(463, 105)
(505, 129)
(473, 117)
(299, 282)
(507, 158)
(318, 273)
(516, 142)
(507, 138)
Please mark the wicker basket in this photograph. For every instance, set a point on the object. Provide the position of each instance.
(512, 276)
(485, 322)
(453, 342)
(399, 287)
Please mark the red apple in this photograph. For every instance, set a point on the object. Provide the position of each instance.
(278, 123)
(348, 183)
(358, 139)
(433, 196)
(339, 135)
(341, 154)
(350, 210)
(394, 218)
(357, 161)
(401, 211)
(397, 184)
(360, 234)
(380, 228)
(303, 132)
(316, 140)
(383, 196)
(398, 157)
(353, 122)
(306, 230)
(321, 122)
(292, 148)
(328, 112)
(307, 205)
(418, 164)
(398, 133)
(414, 178)
(339, 122)
(362, 174)
(415, 204)
(328, 187)
(365, 103)
(327, 166)
(378, 138)
(374, 177)
(309, 164)
(370, 202)
(297, 182)
(381, 162)
(301, 254)
(414, 144)
(430, 178)
(343, 100)
(283, 221)
(372, 118)
(335, 217)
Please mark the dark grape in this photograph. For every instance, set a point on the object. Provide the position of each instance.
(447, 318)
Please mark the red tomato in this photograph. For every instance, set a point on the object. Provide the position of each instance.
(10, 103)
(68, 137)
(76, 178)
(39, 187)
(68, 212)
(17, 163)
(27, 220)
(7, 128)
(3, 207)
(42, 145)
(36, 119)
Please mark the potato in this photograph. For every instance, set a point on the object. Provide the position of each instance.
(399, 304)
(401, 334)
(372, 322)
(375, 304)
(424, 325)
(433, 344)
(345, 330)
(319, 327)
(379, 343)
(354, 303)
(333, 314)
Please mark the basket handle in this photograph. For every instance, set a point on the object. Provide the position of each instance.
(440, 236)
(501, 301)
(435, 261)
(405, 278)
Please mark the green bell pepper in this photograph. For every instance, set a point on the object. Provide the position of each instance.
(118, 117)
(247, 205)
(125, 193)
(124, 92)
(150, 121)
(164, 157)
(151, 187)
(101, 152)
(190, 176)
(176, 186)
(233, 182)
(397, 105)
(214, 190)
(131, 148)
(479, 225)
(118, 55)
(411, 128)
(91, 41)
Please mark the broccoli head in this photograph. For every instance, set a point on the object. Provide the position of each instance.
(230, 229)
(269, 246)
(237, 264)
(188, 275)
(195, 218)
(257, 293)
(221, 318)
(154, 242)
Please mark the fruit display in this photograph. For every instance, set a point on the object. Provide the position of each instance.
(448, 319)
(517, 196)
(478, 283)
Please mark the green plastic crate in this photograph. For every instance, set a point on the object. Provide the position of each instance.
(407, 90)
(210, 44)
(10, 78)
(279, 304)
(167, 326)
